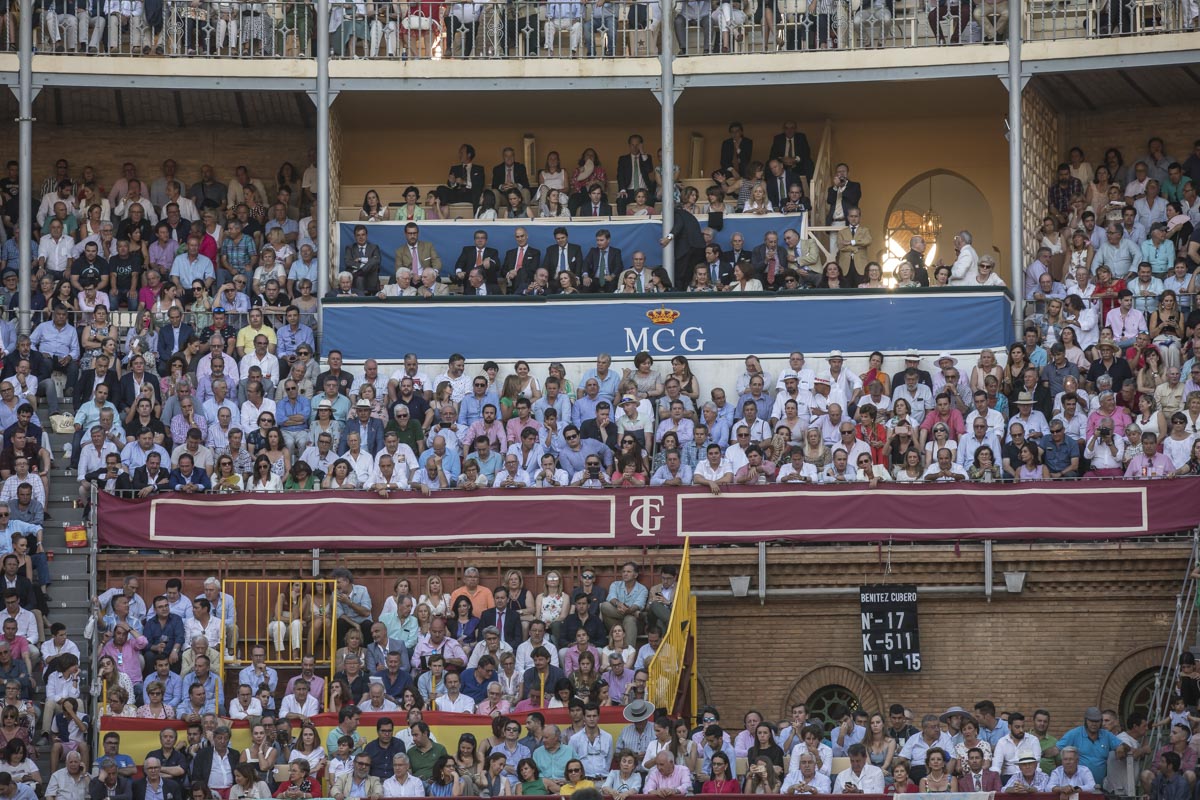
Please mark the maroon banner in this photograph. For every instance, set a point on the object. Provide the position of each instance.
(662, 516)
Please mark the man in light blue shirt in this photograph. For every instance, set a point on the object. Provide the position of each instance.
(553, 398)
(1159, 250)
(59, 343)
(991, 728)
(12, 526)
(292, 413)
(919, 744)
(1094, 743)
(87, 416)
(672, 473)
(1118, 253)
(626, 601)
(563, 16)
(471, 409)
(584, 408)
(292, 335)
(202, 675)
(192, 266)
(607, 380)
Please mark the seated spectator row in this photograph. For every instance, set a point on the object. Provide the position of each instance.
(1063, 411)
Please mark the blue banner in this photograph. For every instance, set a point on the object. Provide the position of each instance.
(698, 326)
(449, 237)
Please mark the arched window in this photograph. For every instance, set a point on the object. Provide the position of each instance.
(1138, 693)
(823, 699)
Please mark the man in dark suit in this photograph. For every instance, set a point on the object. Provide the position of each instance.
(916, 257)
(627, 184)
(479, 255)
(520, 262)
(108, 784)
(91, 378)
(766, 255)
(503, 619)
(510, 174)
(368, 428)
(720, 271)
(778, 180)
(974, 777)
(602, 428)
(842, 196)
(737, 150)
(477, 284)
(132, 381)
(172, 336)
(689, 245)
(563, 256)
(202, 762)
(465, 183)
(151, 478)
(791, 147)
(595, 205)
(361, 260)
(154, 781)
(603, 265)
(737, 251)
(189, 478)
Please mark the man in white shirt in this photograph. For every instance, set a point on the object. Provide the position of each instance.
(55, 250)
(537, 638)
(806, 779)
(993, 418)
(454, 700)
(965, 269)
(978, 437)
(714, 472)
(796, 367)
(918, 396)
(860, 777)
(944, 470)
(1016, 745)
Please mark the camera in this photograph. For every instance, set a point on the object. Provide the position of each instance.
(593, 471)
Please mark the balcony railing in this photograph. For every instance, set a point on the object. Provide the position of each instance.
(522, 29)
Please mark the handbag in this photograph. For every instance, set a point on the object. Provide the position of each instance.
(62, 423)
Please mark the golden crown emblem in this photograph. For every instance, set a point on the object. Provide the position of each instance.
(662, 316)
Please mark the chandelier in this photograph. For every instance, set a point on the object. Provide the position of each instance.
(931, 221)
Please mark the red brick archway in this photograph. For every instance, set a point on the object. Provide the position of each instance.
(1126, 667)
(837, 674)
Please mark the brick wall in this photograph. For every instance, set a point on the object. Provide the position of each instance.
(1096, 131)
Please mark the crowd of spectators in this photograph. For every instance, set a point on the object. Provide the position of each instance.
(509, 653)
(475, 29)
(1045, 413)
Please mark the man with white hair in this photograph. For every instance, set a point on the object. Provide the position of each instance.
(71, 782)
(430, 286)
(965, 269)
(222, 607)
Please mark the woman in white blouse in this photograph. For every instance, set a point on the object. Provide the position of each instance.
(263, 479)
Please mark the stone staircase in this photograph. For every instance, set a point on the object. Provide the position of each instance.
(70, 568)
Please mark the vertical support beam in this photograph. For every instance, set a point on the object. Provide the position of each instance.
(1016, 242)
(762, 573)
(667, 100)
(987, 569)
(25, 159)
(324, 218)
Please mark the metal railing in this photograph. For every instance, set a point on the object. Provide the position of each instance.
(268, 614)
(667, 667)
(521, 29)
(274, 29)
(1076, 19)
